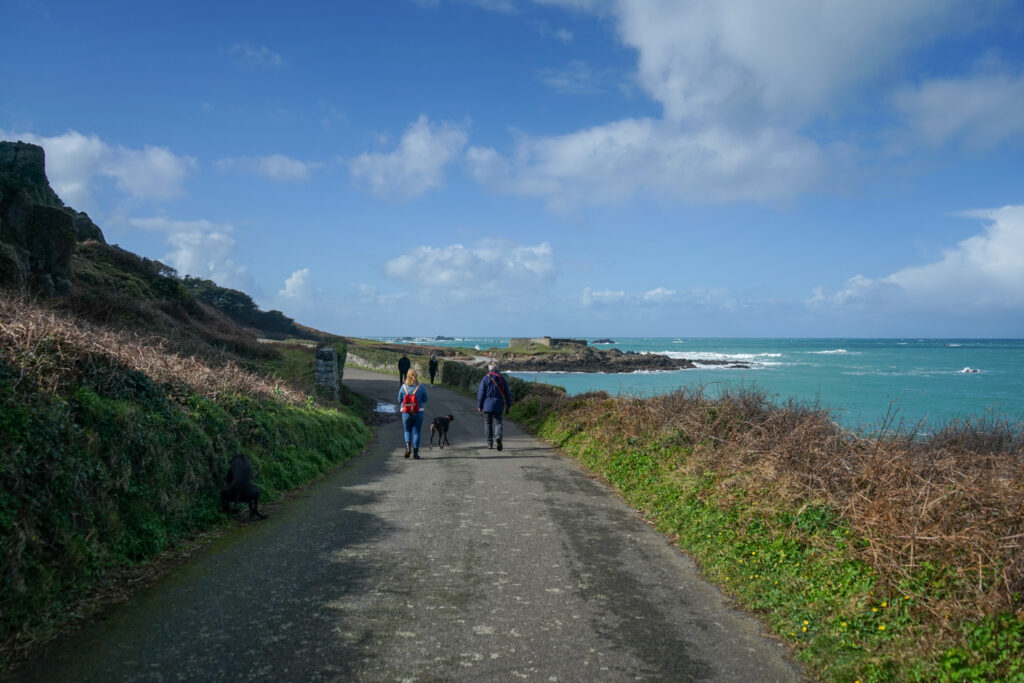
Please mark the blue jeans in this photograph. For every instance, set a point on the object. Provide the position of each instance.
(412, 423)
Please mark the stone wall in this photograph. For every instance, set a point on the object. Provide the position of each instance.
(329, 372)
(545, 341)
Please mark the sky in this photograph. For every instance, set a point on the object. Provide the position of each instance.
(686, 168)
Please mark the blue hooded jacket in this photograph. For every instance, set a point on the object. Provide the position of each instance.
(493, 396)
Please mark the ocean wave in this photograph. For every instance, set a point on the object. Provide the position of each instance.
(829, 352)
(715, 355)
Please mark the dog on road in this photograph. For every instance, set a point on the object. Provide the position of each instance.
(440, 427)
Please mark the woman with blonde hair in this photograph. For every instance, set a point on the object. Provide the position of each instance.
(412, 397)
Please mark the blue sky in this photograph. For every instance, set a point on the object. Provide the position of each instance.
(565, 167)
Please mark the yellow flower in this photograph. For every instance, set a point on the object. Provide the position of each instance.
(806, 623)
(885, 604)
(874, 609)
(804, 629)
(881, 627)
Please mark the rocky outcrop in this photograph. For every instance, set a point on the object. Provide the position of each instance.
(37, 232)
(589, 359)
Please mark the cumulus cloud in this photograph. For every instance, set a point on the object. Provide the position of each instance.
(299, 285)
(979, 111)
(707, 60)
(489, 268)
(416, 166)
(984, 273)
(654, 158)
(275, 167)
(200, 248)
(246, 54)
(742, 86)
(74, 163)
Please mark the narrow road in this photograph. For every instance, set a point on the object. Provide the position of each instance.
(469, 564)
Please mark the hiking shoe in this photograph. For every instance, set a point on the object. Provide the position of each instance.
(499, 444)
(407, 451)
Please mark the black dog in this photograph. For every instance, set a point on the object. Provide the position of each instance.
(440, 427)
(240, 488)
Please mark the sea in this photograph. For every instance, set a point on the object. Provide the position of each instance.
(863, 383)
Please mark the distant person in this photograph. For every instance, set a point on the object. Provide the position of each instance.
(432, 366)
(412, 398)
(493, 399)
(403, 367)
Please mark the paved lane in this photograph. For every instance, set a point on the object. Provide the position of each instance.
(467, 565)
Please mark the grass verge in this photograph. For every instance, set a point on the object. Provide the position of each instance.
(114, 450)
(889, 558)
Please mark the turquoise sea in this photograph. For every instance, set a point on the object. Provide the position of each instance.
(858, 380)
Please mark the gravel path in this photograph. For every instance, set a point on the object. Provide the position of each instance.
(467, 565)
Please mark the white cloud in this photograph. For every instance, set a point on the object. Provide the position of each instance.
(614, 162)
(248, 55)
(74, 162)
(490, 268)
(564, 35)
(601, 297)
(275, 167)
(200, 248)
(982, 274)
(299, 285)
(979, 111)
(706, 60)
(418, 164)
(659, 294)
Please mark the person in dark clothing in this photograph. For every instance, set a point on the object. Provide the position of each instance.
(432, 367)
(403, 367)
(493, 399)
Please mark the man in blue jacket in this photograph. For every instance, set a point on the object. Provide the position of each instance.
(493, 399)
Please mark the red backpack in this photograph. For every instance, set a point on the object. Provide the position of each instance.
(410, 404)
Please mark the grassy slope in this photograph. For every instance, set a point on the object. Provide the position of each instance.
(122, 406)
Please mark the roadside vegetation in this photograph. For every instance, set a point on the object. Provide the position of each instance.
(891, 557)
(116, 437)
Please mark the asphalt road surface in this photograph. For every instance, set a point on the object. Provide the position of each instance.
(469, 564)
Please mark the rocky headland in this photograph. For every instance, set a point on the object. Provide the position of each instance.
(589, 359)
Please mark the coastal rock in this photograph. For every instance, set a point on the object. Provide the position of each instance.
(37, 232)
(589, 359)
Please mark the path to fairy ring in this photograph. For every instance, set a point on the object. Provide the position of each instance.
(470, 564)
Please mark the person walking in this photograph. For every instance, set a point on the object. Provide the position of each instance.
(493, 399)
(432, 366)
(403, 367)
(412, 398)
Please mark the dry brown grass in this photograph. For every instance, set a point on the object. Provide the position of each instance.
(952, 502)
(49, 346)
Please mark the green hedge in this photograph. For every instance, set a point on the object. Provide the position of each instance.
(117, 468)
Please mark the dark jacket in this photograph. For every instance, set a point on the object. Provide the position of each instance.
(493, 396)
(403, 367)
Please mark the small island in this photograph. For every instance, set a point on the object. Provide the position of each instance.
(603, 340)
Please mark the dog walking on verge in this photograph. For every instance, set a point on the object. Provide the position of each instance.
(440, 427)
(239, 487)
